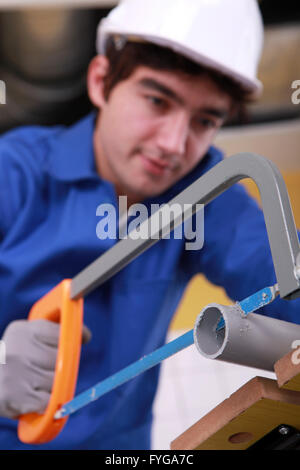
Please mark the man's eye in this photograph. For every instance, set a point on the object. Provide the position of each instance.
(156, 101)
(206, 123)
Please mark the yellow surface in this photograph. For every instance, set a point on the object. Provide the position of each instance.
(260, 419)
(293, 384)
(200, 292)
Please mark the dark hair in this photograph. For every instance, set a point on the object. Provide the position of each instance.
(124, 61)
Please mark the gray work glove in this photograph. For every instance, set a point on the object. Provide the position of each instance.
(26, 378)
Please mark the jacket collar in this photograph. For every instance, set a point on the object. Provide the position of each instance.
(72, 155)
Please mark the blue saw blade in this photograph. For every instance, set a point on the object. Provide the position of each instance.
(254, 302)
(125, 374)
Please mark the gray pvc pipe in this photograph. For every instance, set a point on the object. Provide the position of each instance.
(255, 340)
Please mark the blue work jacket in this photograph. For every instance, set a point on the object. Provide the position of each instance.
(49, 193)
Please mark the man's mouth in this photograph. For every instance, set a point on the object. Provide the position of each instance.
(155, 165)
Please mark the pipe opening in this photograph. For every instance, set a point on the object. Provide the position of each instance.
(208, 340)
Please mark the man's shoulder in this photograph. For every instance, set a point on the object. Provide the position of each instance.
(25, 149)
(27, 139)
(39, 154)
(30, 132)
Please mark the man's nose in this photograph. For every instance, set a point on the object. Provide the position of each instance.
(173, 134)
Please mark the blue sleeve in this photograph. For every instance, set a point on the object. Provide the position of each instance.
(236, 253)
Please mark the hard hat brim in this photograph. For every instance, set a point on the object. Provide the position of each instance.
(253, 87)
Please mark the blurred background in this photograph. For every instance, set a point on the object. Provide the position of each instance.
(45, 48)
(44, 54)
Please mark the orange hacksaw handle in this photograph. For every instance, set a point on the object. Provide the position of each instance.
(56, 306)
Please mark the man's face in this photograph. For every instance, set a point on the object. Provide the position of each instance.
(155, 128)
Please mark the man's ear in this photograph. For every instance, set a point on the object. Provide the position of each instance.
(97, 70)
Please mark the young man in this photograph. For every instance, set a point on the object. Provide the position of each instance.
(167, 76)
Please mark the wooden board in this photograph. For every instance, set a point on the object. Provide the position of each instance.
(245, 417)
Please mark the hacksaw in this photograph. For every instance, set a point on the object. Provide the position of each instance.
(64, 303)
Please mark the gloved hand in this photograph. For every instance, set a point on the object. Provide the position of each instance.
(26, 378)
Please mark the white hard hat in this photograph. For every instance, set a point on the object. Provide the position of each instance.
(226, 35)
